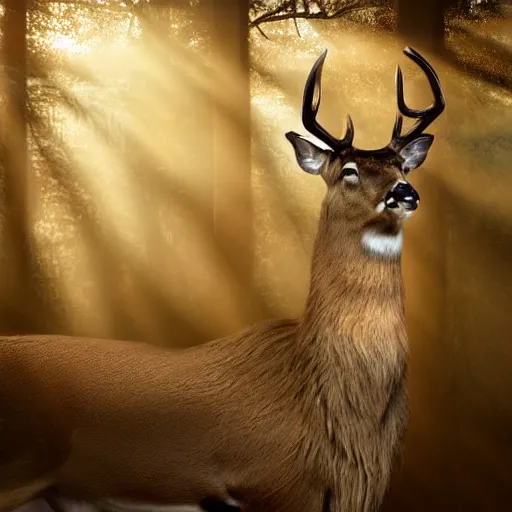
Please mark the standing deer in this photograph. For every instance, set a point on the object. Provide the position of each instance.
(289, 415)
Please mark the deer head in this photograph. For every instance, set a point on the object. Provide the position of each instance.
(368, 189)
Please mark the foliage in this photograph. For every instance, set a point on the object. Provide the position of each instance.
(264, 11)
(475, 8)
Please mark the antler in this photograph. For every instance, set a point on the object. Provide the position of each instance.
(313, 96)
(311, 104)
(426, 116)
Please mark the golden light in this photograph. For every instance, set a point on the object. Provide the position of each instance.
(133, 113)
(68, 45)
(136, 136)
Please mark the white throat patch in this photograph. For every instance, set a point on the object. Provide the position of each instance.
(383, 246)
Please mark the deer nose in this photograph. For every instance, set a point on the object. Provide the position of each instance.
(402, 194)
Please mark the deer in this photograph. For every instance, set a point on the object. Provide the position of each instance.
(301, 414)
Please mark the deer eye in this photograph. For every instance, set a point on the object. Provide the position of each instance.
(349, 173)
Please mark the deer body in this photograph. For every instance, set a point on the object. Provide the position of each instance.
(217, 420)
(287, 415)
(173, 421)
(184, 435)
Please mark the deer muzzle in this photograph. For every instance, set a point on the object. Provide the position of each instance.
(402, 195)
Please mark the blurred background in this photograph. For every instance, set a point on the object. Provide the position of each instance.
(147, 191)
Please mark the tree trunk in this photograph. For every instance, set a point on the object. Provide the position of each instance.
(232, 171)
(17, 296)
(421, 23)
(233, 221)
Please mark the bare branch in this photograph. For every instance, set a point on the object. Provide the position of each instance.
(295, 19)
(296, 26)
(262, 33)
(285, 6)
(292, 14)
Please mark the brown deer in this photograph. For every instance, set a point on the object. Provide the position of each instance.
(289, 415)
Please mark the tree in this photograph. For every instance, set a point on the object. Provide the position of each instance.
(18, 270)
(423, 22)
(263, 11)
(232, 182)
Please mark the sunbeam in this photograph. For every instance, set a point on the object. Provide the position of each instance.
(148, 191)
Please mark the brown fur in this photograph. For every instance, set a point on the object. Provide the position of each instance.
(285, 416)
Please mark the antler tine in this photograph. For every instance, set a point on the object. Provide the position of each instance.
(397, 129)
(425, 116)
(310, 106)
(349, 134)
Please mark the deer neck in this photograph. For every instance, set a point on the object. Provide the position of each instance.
(353, 340)
(353, 292)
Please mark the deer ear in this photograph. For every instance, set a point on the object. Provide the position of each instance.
(310, 157)
(415, 153)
